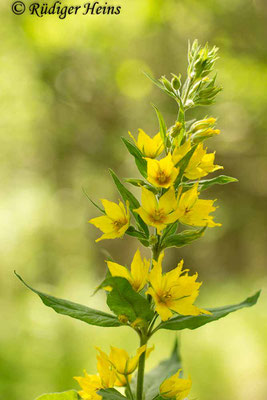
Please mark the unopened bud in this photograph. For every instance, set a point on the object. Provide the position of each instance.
(153, 240)
(175, 129)
(176, 82)
(123, 319)
(203, 124)
(166, 83)
(138, 323)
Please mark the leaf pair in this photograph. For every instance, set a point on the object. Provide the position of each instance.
(136, 307)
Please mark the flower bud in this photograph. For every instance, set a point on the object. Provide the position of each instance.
(176, 82)
(166, 83)
(203, 124)
(123, 319)
(175, 129)
(153, 240)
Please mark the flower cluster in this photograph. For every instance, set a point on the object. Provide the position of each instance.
(115, 369)
(143, 297)
(164, 199)
(172, 164)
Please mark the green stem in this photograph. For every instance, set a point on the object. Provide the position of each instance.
(141, 370)
(156, 250)
(129, 387)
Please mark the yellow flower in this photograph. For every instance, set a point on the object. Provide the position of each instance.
(180, 151)
(175, 387)
(161, 173)
(116, 221)
(90, 384)
(201, 164)
(139, 271)
(195, 211)
(173, 291)
(122, 363)
(159, 213)
(150, 147)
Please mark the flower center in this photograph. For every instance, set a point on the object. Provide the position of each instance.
(164, 297)
(118, 224)
(158, 216)
(162, 177)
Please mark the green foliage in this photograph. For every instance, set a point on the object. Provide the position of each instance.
(123, 300)
(111, 394)
(183, 238)
(69, 395)
(138, 156)
(183, 163)
(162, 126)
(94, 204)
(206, 183)
(193, 322)
(164, 370)
(133, 202)
(74, 310)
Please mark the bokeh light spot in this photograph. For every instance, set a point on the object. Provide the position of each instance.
(131, 80)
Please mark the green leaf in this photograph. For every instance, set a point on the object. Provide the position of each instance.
(124, 300)
(133, 202)
(182, 164)
(131, 231)
(181, 119)
(99, 208)
(74, 310)
(138, 156)
(135, 182)
(111, 394)
(69, 395)
(205, 184)
(140, 183)
(160, 85)
(164, 370)
(162, 125)
(125, 193)
(183, 238)
(193, 322)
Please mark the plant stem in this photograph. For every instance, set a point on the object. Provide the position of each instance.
(129, 387)
(141, 370)
(156, 250)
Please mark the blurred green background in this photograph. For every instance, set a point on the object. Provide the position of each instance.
(69, 90)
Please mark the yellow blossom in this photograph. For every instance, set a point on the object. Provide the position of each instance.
(150, 147)
(180, 151)
(139, 271)
(91, 384)
(158, 213)
(122, 363)
(173, 291)
(116, 221)
(195, 211)
(161, 173)
(175, 387)
(201, 164)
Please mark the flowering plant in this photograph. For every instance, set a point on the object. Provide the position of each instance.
(172, 165)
